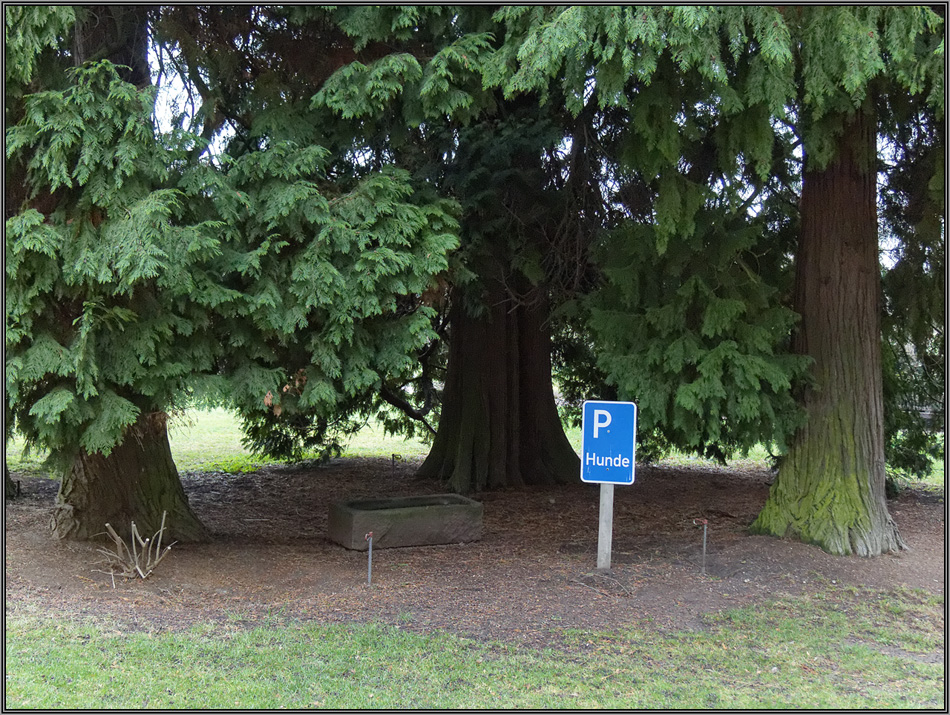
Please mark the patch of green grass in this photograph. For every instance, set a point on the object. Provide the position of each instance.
(210, 441)
(372, 441)
(834, 650)
(933, 481)
(758, 456)
(26, 462)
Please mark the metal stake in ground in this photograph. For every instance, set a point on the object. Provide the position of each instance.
(369, 563)
(705, 524)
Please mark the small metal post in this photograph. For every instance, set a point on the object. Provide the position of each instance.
(369, 565)
(705, 523)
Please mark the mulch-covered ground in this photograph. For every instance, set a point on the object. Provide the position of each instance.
(531, 576)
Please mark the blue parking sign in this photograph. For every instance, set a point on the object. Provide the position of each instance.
(608, 442)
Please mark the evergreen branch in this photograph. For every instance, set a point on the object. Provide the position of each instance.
(402, 405)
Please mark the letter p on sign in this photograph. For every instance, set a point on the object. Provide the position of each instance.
(601, 419)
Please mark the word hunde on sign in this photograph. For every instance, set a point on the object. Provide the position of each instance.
(598, 461)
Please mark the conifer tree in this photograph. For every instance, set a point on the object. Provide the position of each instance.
(152, 277)
(412, 98)
(339, 372)
(526, 224)
(98, 331)
(830, 489)
(499, 423)
(914, 284)
(624, 178)
(688, 318)
(818, 71)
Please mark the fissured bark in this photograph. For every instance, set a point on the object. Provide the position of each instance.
(137, 481)
(830, 487)
(499, 424)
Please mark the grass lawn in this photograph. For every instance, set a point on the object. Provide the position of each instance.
(210, 441)
(842, 649)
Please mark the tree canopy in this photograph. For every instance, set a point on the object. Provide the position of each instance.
(425, 213)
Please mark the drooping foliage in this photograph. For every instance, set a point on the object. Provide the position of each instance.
(388, 233)
(757, 73)
(101, 321)
(689, 320)
(830, 489)
(914, 285)
(413, 107)
(141, 277)
(101, 339)
(333, 297)
(498, 420)
(264, 250)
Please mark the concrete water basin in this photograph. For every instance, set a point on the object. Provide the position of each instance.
(405, 521)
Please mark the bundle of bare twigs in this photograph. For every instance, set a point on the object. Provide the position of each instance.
(139, 559)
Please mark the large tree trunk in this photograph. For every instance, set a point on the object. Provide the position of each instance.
(499, 424)
(118, 33)
(137, 482)
(830, 487)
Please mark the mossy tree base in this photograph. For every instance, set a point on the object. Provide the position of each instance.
(137, 481)
(830, 489)
(825, 505)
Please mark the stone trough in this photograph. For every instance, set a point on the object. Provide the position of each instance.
(405, 521)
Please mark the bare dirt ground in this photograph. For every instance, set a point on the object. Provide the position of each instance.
(530, 577)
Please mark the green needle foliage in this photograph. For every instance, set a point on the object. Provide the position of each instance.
(145, 274)
(328, 304)
(101, 321)
(152, 279)
(698, 339)
(711, 108)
